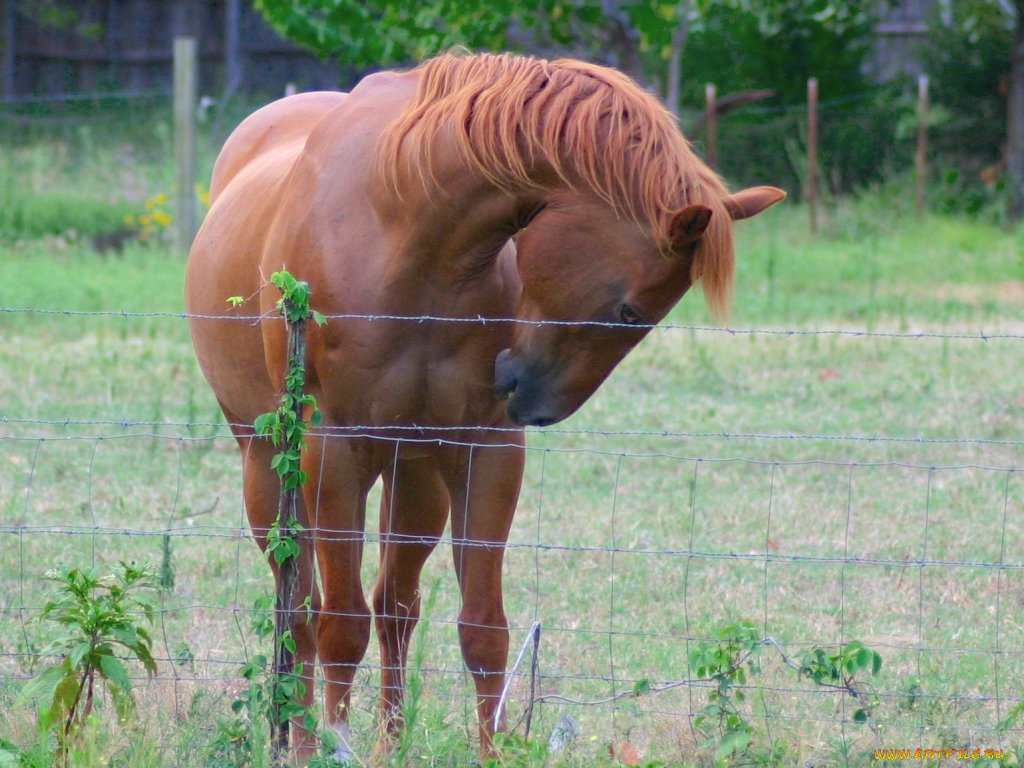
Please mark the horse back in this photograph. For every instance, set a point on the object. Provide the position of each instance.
(285, 122)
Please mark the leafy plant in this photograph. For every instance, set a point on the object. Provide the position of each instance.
(166, 564)
(240, 738)
(286, 428)
(29, 216)
(97, 616)
(841, 670)
(725, 659)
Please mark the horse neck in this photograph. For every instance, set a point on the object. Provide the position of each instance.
(452, 214)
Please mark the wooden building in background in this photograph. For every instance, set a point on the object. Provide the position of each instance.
(126, 46)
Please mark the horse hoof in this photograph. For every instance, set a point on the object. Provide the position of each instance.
(344, 756)
(343, 752)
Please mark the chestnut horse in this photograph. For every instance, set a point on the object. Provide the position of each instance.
(474, 186)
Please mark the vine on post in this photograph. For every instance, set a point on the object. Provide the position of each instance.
(286, 429)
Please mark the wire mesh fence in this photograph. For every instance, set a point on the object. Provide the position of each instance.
(637, 540)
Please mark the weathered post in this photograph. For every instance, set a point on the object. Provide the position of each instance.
(232, 46)
(184, 141)
(287, 517)
(710, 98)
(812, 152)
(920, 159)
(286, 429)
(7, 48)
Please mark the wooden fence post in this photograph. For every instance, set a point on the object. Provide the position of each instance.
(232, 47)
(8, 53)
(283, 667)
(184, 141)
(920, 160)
(812, 152)
(711, 153)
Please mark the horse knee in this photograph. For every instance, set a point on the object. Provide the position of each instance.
(303, 624)
(484, 642)
(342, 636)
(392, 604)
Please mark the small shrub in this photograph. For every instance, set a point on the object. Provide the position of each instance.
(96, 616)
(55, 213)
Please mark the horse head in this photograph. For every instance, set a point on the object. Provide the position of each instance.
(593, 285)
(621, 217)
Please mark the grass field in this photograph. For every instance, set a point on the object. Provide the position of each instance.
(844, 465)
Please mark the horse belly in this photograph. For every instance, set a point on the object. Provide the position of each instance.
(224, 263)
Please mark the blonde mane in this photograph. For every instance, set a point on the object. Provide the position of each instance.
(593, 126)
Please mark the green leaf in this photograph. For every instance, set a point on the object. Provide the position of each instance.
(78, 653)
(735, 741)
(642, 687)
(264, 423)
(64, 696)
(864, 658)
(1010, 720)
(40, 689)
(114, 671)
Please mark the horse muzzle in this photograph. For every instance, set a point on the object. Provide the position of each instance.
(527, 403)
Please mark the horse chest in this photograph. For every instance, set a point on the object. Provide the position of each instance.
(390, 383)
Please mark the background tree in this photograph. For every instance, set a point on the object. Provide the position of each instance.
(646, 38)
(58, 14)
(1015, 121)
(676, 46)
(976, 53)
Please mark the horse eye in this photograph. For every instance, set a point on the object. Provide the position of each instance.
(629, 315)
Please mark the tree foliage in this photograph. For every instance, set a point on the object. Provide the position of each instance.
(59, 14)
(972, 54)
(382, 32)
(737, 44)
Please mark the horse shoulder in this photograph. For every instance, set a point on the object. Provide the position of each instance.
(269, 129)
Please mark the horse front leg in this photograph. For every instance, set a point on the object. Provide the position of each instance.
(413, 512)
(484, 491)
(335, 497)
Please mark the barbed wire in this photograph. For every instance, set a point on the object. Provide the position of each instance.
(362, 430)
(979, 335)
(329, 535)
(568, 450)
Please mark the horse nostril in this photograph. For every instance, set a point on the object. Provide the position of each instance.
(505, 392)
(505, 378)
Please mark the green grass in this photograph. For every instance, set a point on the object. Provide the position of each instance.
(827, 487)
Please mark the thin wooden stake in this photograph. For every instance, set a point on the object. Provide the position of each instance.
(920, 160)
(185, 141)
(288, 570)
(232, 46)
(812, 152)
(711, 154)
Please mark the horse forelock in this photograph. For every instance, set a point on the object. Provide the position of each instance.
(594, 127)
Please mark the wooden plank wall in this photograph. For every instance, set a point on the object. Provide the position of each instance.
(126, 45)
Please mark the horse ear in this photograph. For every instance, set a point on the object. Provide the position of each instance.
(750, 202)
(687, 225)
